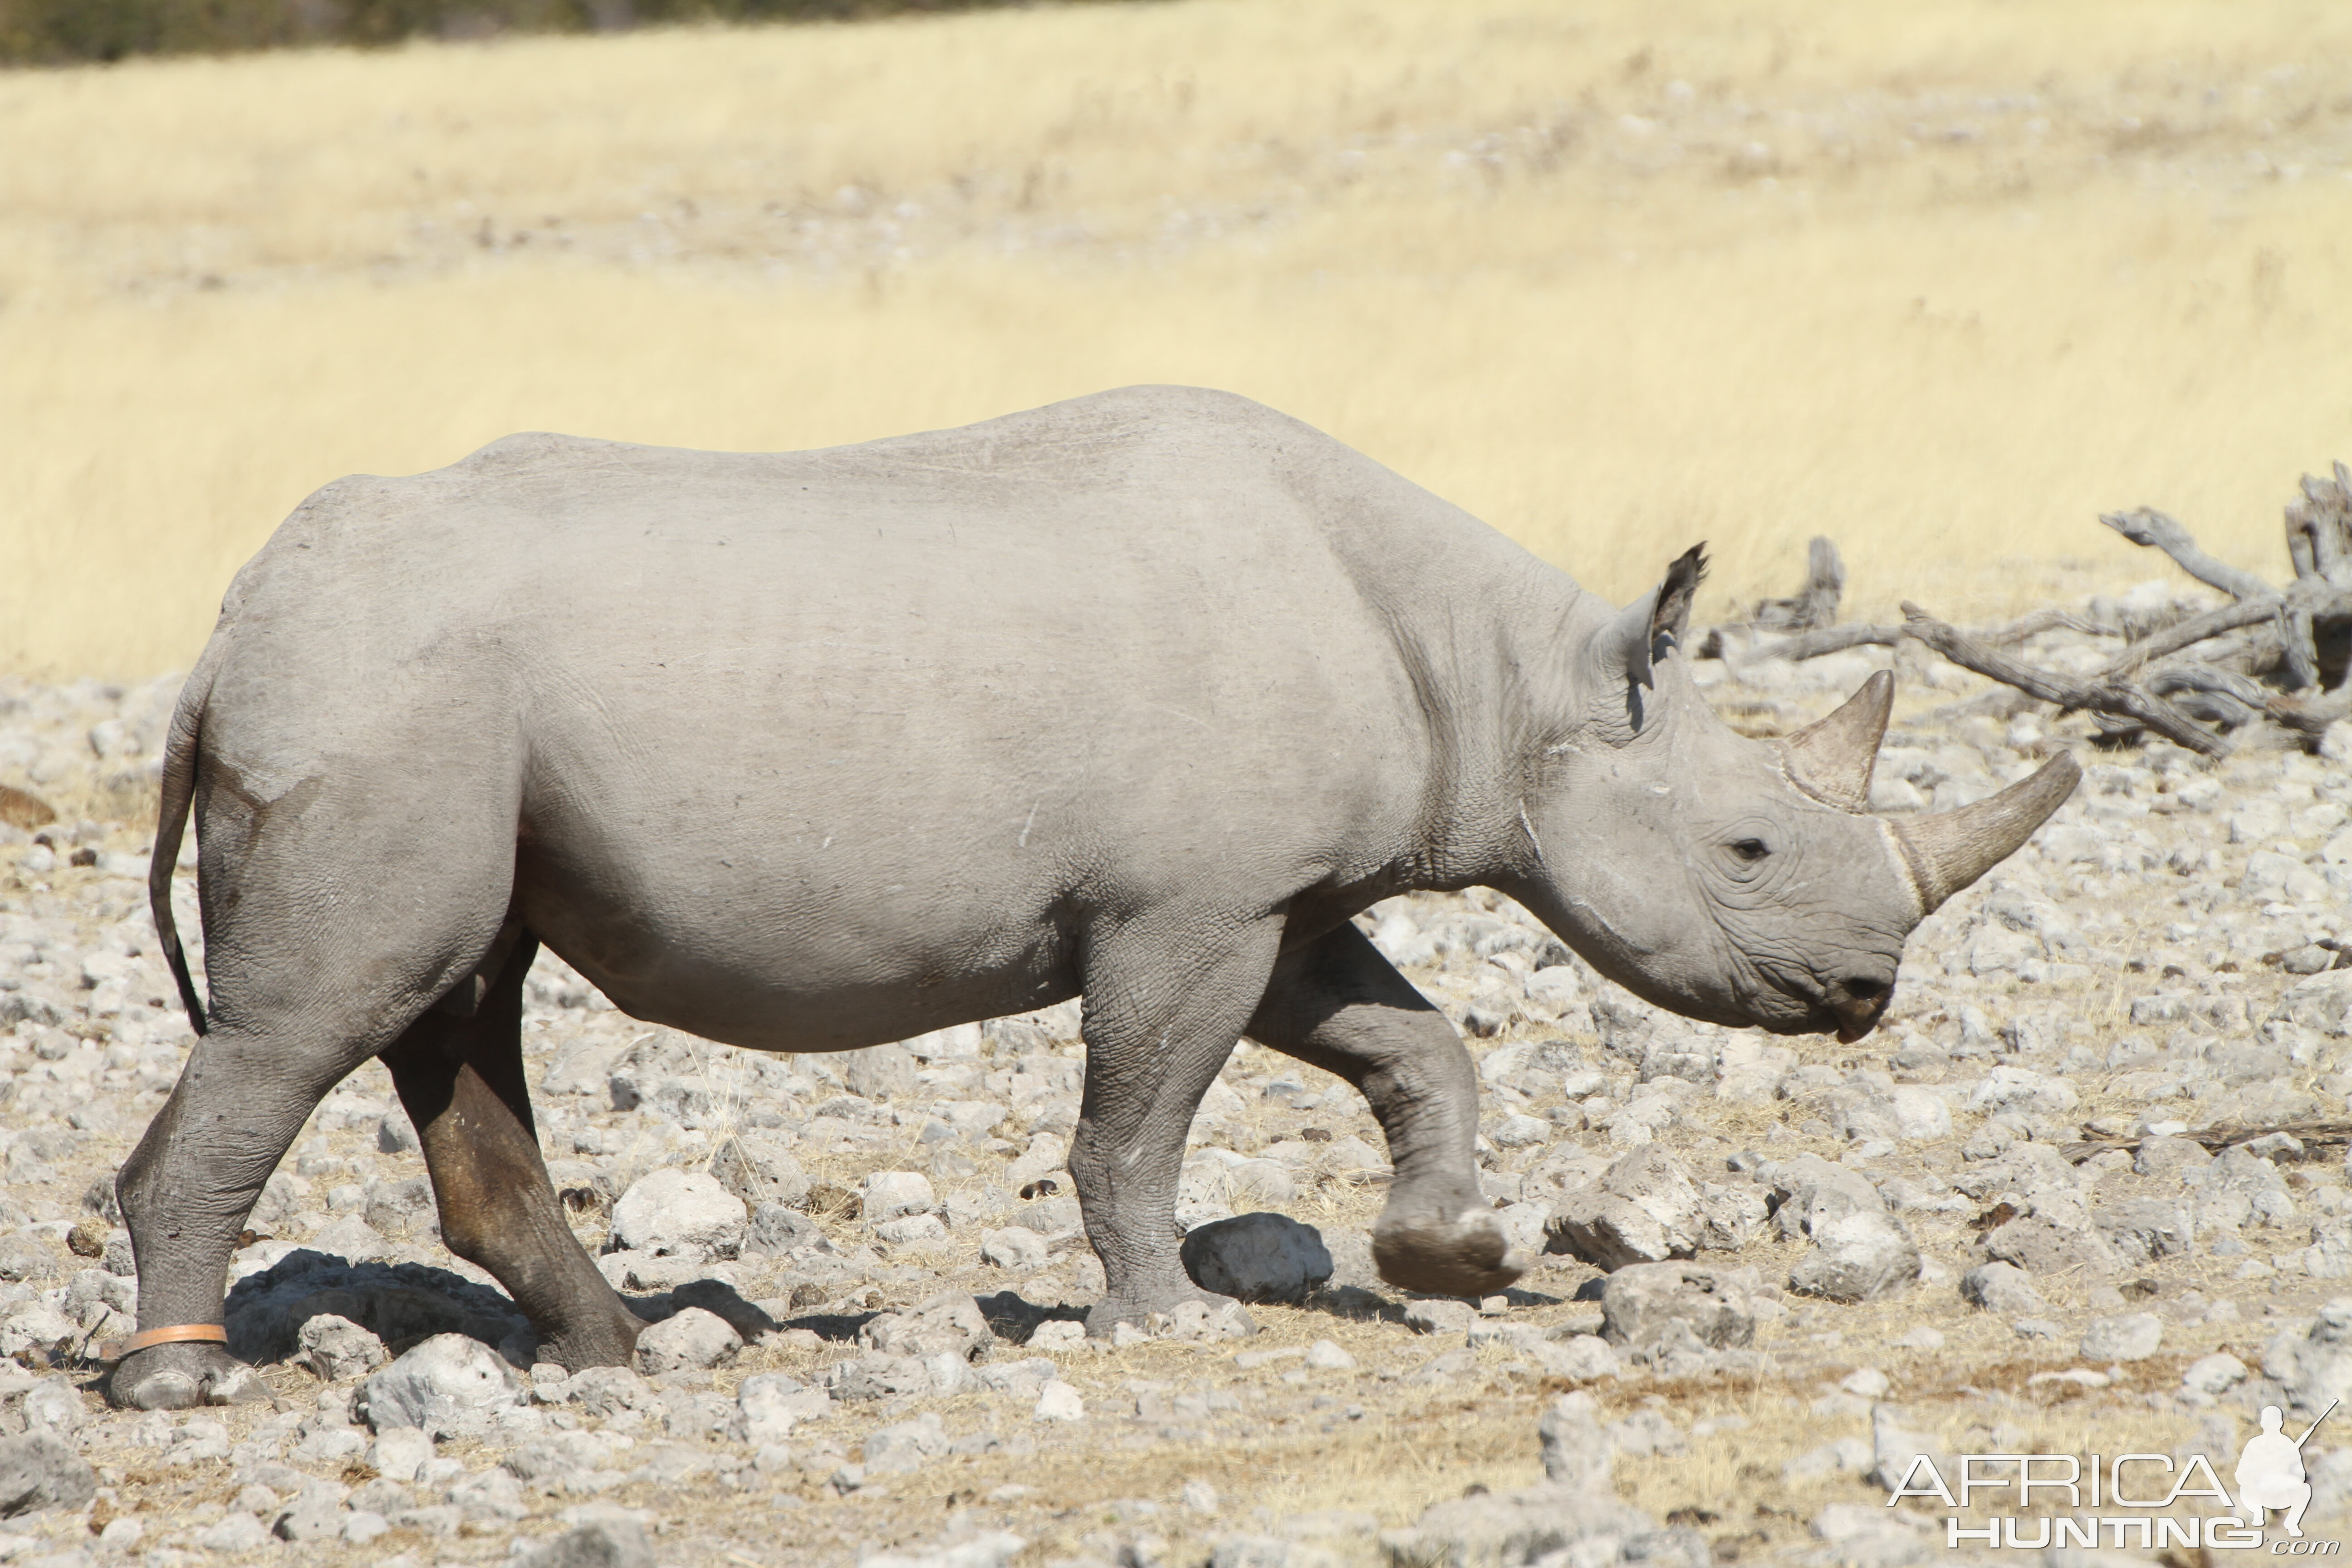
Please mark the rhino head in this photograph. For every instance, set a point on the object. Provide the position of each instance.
(1737, 880)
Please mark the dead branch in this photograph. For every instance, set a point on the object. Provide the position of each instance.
(2219, 696)
(2298, 644)
(2319, 530)
(2114, 697)
(2050, 619)
(2146, 526)
(2213, 1139)
(2310, 715)
(1837, 639)
(2318, 542)
(1815, 604)
(2187, 633)
(1828, 640)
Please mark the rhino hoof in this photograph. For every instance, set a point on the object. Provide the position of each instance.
(1139, 1309)
(1467, 1256)
(184, 1376)
(157, 1391)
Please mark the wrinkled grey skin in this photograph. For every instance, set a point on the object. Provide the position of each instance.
(1139, 697)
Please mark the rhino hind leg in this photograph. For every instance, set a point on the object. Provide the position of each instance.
(334, 911)
(460, 1078)
(187, 1190)
(1338, 1005)
(1166, 1000)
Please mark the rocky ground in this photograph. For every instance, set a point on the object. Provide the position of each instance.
(1772, 1271)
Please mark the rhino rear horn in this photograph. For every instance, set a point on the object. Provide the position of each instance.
(1832, 758)
(1948, 851)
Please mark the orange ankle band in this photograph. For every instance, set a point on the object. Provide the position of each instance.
(212, 1333)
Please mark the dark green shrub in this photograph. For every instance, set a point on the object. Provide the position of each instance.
(65, 32)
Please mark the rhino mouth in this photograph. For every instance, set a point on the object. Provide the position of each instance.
(1850, 1009)
(1853, 1009)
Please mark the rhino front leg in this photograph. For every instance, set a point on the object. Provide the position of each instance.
(461, 1081)
(1166, 1000)
(1338, 1005)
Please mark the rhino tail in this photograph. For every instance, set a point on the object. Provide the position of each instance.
(171, 819)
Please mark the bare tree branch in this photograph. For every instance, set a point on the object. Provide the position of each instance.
(2183, 634)
(2310, 715)
(1814, 604)
(2050, 619)
(1837, 639)
(2219, 696)
(2217, 1139)
(2319, 530)
(2146, 526)
(2298, 643)
(1829, 639)
(2114, 697)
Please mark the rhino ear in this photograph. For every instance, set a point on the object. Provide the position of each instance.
(1651, 627)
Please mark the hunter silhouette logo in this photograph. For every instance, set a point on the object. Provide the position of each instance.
(2127, 1502)
(2270, 1474)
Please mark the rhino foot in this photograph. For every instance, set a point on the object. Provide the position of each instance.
(605, 1341)
(184, 1376)
(1467, 1256)
(1136, 1307)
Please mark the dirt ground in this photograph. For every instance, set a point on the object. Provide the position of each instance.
(2140, 954)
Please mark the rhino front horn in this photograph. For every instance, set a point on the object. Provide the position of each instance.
(1831, 759)
(1949, 850)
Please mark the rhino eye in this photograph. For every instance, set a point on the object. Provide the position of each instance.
(1751, 849)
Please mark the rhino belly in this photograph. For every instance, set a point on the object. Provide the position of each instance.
(775, 955)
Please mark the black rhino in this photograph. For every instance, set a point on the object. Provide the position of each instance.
(1139, 696)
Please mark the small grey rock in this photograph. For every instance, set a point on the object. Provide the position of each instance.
(773, 1404)
(1645, 1209)
(336, 1348)
(1580, 1358)
(41, 1471)
(235, 1531)
(448, 1385)
(1439, 1315)
(1014, 1246)
(1326, 1355)
(1895, 1448)
(903, 1446)
(1640, 1303)
(679, 1211)
(2003, 1288)
(2130, 1336)
(2213, 1376)
(606, 1543)
(690, 1340)
(950, 1324)
(1575, 1450)
(777, 1229)
(759, 1171)
(896, 1194)
(2142, 1230)
(1859, 1257)
(2314, 1364)
(878, 1072)
(316, 1515)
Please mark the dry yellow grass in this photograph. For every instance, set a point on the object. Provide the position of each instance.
(1940, 279)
